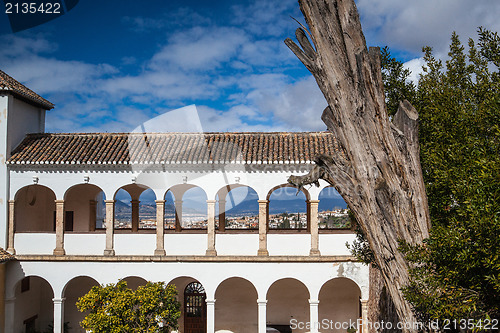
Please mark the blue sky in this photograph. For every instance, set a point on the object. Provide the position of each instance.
(111, 65)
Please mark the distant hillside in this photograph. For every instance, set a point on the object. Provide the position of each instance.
(244, 208)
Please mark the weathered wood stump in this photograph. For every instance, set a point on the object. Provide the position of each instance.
(377, 167)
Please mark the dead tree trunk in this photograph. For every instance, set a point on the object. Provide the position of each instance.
(377, 167)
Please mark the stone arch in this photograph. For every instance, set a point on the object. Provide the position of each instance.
(34, 209)
(234, 195)
(72, 291)
(195, 217)
(127, 216)
(287, 299)
(236, 306)
(181, 283)
(33, 308)
(339, 302)
(84, 208)
(332, 210)
(286, 218)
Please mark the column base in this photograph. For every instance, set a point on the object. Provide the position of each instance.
(109, 252)
(262, 252)
(159, 252)
(11, 250)
(211, 253)
(314, 252)
(59, 252)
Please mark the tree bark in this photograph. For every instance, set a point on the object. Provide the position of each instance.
(376, 167)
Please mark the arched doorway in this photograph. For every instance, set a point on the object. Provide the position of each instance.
(195, 308)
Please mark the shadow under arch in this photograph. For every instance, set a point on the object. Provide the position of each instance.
(72, 291)
(84, 208)
(134, 282)
(235, 306)
(339, 302)
(33, 308)
(34, 209)
(287, 301)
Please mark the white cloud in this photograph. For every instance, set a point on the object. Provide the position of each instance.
(410, 25)
(415, 66)
(199, 48)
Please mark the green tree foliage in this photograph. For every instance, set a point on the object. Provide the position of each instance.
(457, 271)
(397, 85)
(115, 308)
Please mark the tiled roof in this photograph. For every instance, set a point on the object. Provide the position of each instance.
(7, 83)
(5, 256)
(173, 148)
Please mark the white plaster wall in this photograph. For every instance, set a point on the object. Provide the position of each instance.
(237, 244)
(34, 243)
(84, 244)
(4, 175)
(334, 244)
(24, 118)
(185, 244)
(135, 244)
(289, 244)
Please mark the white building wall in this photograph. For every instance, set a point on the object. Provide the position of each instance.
(4, 175)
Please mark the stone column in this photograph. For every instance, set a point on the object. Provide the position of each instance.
(211, 228)
(313, 210)
(59, 250)
(314, 315)
(160, 228)
(222, 215)
(58, 315)
(262, 306)
(263, 205)
(110, 224)
(92, 214)
(12, 227)
(135, 215)
(364, 316)
(10, 304)
(178, 215)
(210, 315)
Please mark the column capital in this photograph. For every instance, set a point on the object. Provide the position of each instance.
(221, 201)
(263, 201)
(313, 302)
(109, 201)
(261, 301)
(160, 201)
(59, 201)
(12, 201)
(364, 302)
(58, 300)
(210, 301)
(211, 201)
(313, 201)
